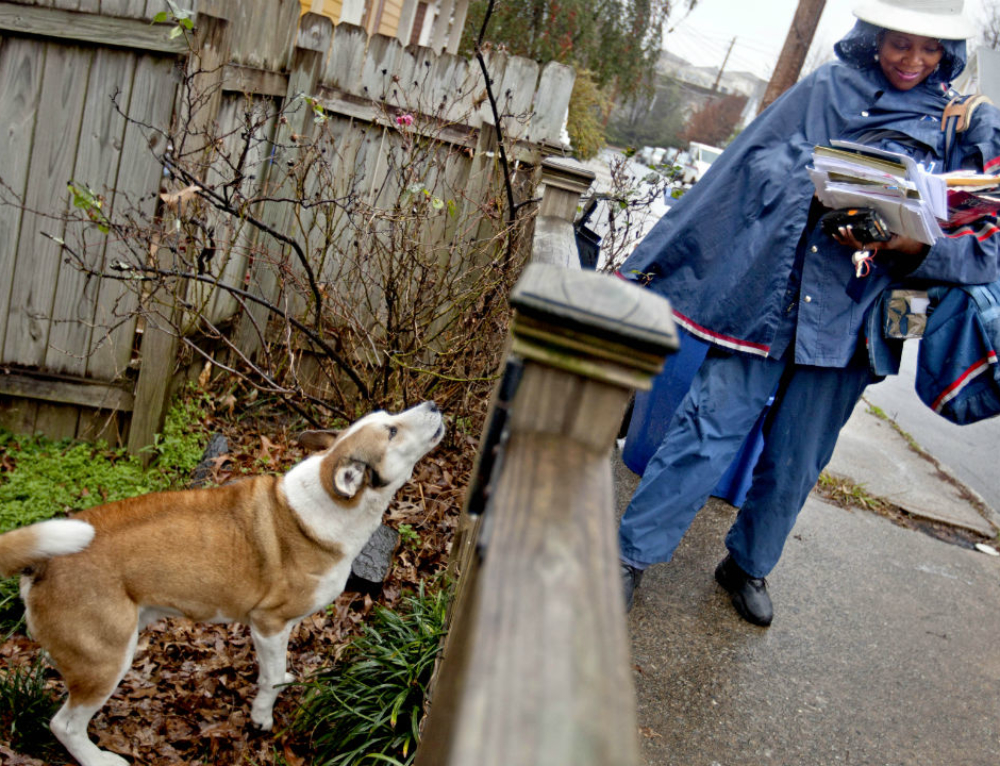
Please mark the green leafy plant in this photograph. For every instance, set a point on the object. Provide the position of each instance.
(91, 203)
(181, 18)
(368, 707)
(11, 608)
(26, 705)
(409, 536)
(50, 478)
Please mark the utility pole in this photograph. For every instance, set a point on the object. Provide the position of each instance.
(715, 85)
(793, 54)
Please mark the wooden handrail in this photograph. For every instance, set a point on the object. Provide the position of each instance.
(536, 668)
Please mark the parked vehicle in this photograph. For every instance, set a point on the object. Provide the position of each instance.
(652, 156)
(700, 157)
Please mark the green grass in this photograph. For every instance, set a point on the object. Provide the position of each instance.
(25, 709)
(846, 493)
(367, 708)
(51, 478)
(11, 608)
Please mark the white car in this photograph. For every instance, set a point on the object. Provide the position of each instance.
(700, 157)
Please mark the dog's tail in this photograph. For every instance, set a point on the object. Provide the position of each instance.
(39, 542)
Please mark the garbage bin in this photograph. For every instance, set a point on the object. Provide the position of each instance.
(653, 409)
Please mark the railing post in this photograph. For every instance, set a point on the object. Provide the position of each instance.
(562, 182)
(536, 669)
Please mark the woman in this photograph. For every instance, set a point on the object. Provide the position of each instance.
(746, 267)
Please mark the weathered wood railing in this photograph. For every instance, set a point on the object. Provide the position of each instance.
(536, 667)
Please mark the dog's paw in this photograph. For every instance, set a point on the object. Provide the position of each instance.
(262, 719)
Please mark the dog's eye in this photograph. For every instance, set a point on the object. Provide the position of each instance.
(393, 431)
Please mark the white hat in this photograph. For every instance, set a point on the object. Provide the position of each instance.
(940, 19)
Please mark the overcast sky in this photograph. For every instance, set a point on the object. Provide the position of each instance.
(759, 27)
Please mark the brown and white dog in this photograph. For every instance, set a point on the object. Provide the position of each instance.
(266, 551)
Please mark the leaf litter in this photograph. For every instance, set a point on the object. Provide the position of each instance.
(186, 698)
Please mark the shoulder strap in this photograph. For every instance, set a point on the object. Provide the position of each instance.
(957, 117)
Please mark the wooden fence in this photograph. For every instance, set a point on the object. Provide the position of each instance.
(74, 359)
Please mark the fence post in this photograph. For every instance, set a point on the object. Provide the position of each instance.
(159, 343)
(536, 670)
(563, 181)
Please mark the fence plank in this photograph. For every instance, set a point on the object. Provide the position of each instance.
(159, 344)
(98, 153)
(347, 58)
(234, 236)
(101, 425)
(264, 32)
(64, 390)
(401, 91)
(514, 94)
(53, 156)
(379, 67)
(153, 7)
(57, 421)
(551, 103)
(20, 91)
(18, 415)
(89, 28)
(139, 174)
(159, 355)
(316, 32)
(132, 9)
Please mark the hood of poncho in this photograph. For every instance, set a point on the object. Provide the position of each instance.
(859, 46)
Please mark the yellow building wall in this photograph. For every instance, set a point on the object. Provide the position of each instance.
(329, 8)
(388, 24)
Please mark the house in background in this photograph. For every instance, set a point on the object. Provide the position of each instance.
(435, 24)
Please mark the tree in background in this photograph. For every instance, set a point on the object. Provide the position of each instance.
(991, 25)
(656, 121)
(715, 122)
(585, 125)
(617, 41)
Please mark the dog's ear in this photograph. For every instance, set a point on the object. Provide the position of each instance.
(349, 477)
(316, 441)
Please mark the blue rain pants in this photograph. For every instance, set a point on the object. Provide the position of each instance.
(728, 394)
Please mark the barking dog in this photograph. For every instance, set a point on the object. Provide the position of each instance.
(267, 551)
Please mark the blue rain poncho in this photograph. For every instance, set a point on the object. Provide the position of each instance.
(725, 252)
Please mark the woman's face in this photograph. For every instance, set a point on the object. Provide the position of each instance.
(906, 59)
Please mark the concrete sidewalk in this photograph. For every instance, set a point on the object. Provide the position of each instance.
(885, 647)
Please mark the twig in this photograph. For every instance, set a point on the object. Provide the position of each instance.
(150, 273)
(511, 207)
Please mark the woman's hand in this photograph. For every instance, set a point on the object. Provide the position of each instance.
(898, 243)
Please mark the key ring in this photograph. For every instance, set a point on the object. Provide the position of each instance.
(862, 263)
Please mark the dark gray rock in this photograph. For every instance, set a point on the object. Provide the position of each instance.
(372, 565)
(218, 445)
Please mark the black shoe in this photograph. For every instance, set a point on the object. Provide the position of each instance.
(631, 577)
(749, 593)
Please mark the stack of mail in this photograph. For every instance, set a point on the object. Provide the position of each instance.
(908, 196)
(971, 197)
